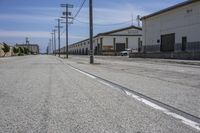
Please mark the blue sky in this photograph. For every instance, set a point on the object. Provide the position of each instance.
(36, 18)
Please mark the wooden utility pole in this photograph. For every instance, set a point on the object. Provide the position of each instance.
(67, 15)
(54, 34)
(58, 35)
(91, 31)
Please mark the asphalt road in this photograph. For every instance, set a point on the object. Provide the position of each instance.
(174, 83)
(49, 94)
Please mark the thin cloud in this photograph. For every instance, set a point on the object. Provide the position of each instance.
(26, 17)
(32, 34)
(109, 16)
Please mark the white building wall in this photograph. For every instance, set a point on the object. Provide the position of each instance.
(120, 39)
(107, 40)
(132, 41)
(183, 21)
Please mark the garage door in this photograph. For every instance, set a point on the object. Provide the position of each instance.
(120, 47)
(167, 43)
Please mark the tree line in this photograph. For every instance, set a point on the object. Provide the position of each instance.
(19, 51)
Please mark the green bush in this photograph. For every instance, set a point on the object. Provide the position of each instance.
(20, 54)
(26, 50)
(21, 51)
(5, 48)
(15, 50)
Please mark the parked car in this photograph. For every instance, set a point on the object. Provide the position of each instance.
(124, 53)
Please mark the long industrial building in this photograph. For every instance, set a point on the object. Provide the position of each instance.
(110, 43)
(174, 29)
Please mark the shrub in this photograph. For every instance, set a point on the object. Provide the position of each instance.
(15, 50)
(5, 48)
(20, 54)
(26, 50)
(21, 51)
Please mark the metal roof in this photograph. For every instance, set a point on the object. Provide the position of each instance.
(118, 30)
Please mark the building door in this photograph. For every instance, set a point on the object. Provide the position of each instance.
(95, 50)
(167, 43)
(127, 43)
(98, 49)
(86, 51)
(83, 51)
(139, 45)
(120, 47)
(184, 43)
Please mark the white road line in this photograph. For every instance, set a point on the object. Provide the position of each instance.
(105, 83)
(155, 106)
(149, 103)
(83, 72)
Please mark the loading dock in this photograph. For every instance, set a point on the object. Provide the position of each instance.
(174, 29)
(167, 43)
(120, 47)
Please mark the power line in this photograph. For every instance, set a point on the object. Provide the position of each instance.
(125, 22)
(62, 32)
(79, 10)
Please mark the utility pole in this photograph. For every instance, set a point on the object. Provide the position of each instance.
(138, 19)
(67, 15)
(47, 49)
(91, 32)
(54, 34)
(52, 42)
(50, 46)
(58, 35)
(131, 19)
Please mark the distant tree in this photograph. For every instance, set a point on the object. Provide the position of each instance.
(26, 50)
(5, 48)
(15, 50)
(21, 51)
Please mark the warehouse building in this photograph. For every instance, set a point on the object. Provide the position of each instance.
(110, 43)
(173, 30)
(32, 47)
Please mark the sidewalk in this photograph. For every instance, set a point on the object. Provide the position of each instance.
(124, 58)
